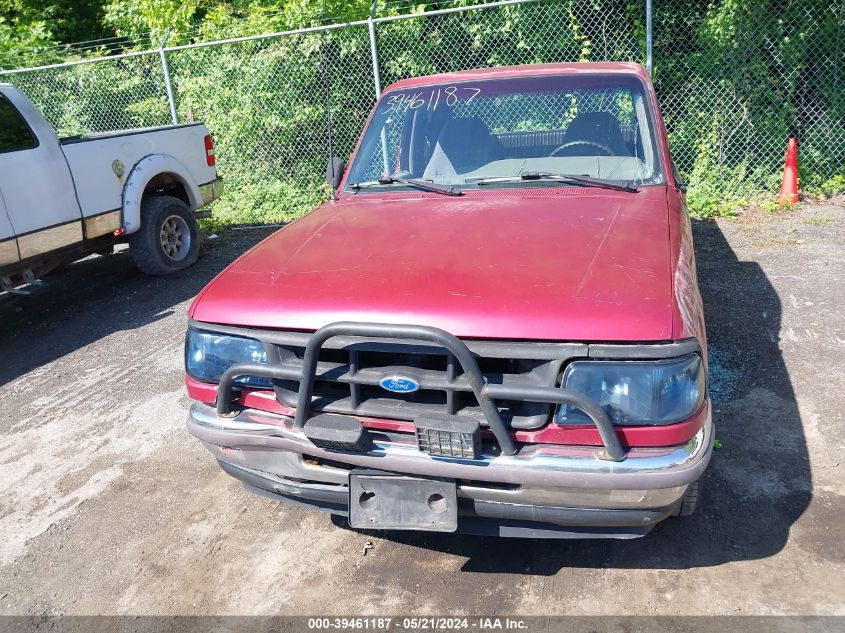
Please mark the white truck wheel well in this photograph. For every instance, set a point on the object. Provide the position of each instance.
(154, 173)
(168, 184)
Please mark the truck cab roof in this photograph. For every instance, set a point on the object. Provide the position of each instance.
(527, 70)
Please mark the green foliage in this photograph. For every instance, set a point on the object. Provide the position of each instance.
(28, 25)
(831, 186)
(112, 95)
(137, 18)
(17, 39)
(719, 189)
(271, 142)
(741, 77)
(68, 20)
(263, 202)
(735, 78)
(188, 20)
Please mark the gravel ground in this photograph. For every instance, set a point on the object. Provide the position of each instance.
(108, 506)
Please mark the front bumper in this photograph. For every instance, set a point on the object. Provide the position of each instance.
(542, 490)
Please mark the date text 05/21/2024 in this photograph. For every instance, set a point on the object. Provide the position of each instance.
(418, 623)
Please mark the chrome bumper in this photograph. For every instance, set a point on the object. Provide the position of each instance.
(476, 516)
(256, 439)
(210, 191)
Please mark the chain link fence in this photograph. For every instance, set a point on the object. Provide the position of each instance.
(735, 79)
(111, 94)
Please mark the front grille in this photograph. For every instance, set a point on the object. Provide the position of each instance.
(350, 369)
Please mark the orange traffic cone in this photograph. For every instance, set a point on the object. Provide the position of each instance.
(789, 184)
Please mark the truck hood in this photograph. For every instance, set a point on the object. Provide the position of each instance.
(558, 264)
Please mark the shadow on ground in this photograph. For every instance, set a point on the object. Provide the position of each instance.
(96, 297)
(758, 483)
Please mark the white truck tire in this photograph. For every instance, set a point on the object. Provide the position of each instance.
(168, 239)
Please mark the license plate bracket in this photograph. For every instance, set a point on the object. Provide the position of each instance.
(389, 501)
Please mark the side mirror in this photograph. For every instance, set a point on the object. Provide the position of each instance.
(334, 171)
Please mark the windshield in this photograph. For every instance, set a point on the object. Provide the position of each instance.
(591, 126)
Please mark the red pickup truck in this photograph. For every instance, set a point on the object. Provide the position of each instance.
(494, 327)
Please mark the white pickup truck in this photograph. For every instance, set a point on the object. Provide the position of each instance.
(63, 199)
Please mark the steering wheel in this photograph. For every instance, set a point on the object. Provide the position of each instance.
(604, 148)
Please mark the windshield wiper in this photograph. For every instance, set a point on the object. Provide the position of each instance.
(411, 182)
(565, 178)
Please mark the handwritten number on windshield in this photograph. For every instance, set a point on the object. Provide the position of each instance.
(450, 96)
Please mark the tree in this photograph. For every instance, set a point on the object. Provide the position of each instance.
(30, 30)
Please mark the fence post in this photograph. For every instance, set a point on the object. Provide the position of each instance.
(649, 37)
(166, 69)
(371, 26)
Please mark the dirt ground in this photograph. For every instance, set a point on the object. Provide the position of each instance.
(108, 506)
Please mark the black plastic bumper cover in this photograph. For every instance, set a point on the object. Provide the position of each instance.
(475, 517)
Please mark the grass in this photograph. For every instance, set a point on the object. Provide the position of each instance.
(819, 220)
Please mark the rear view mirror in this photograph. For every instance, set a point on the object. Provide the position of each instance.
(334, 171)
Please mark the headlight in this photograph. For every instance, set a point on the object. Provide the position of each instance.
(208, 355)
(636, 392)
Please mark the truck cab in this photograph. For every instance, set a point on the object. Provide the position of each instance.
(494, 328)
(35, 185)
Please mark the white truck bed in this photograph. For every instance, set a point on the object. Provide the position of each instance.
(91, 159)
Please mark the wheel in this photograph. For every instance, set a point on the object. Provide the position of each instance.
(168, 239)
(603, 148)
(690, 500)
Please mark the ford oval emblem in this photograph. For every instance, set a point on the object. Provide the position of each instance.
(399, 384)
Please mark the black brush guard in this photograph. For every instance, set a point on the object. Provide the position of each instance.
(486, 394)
